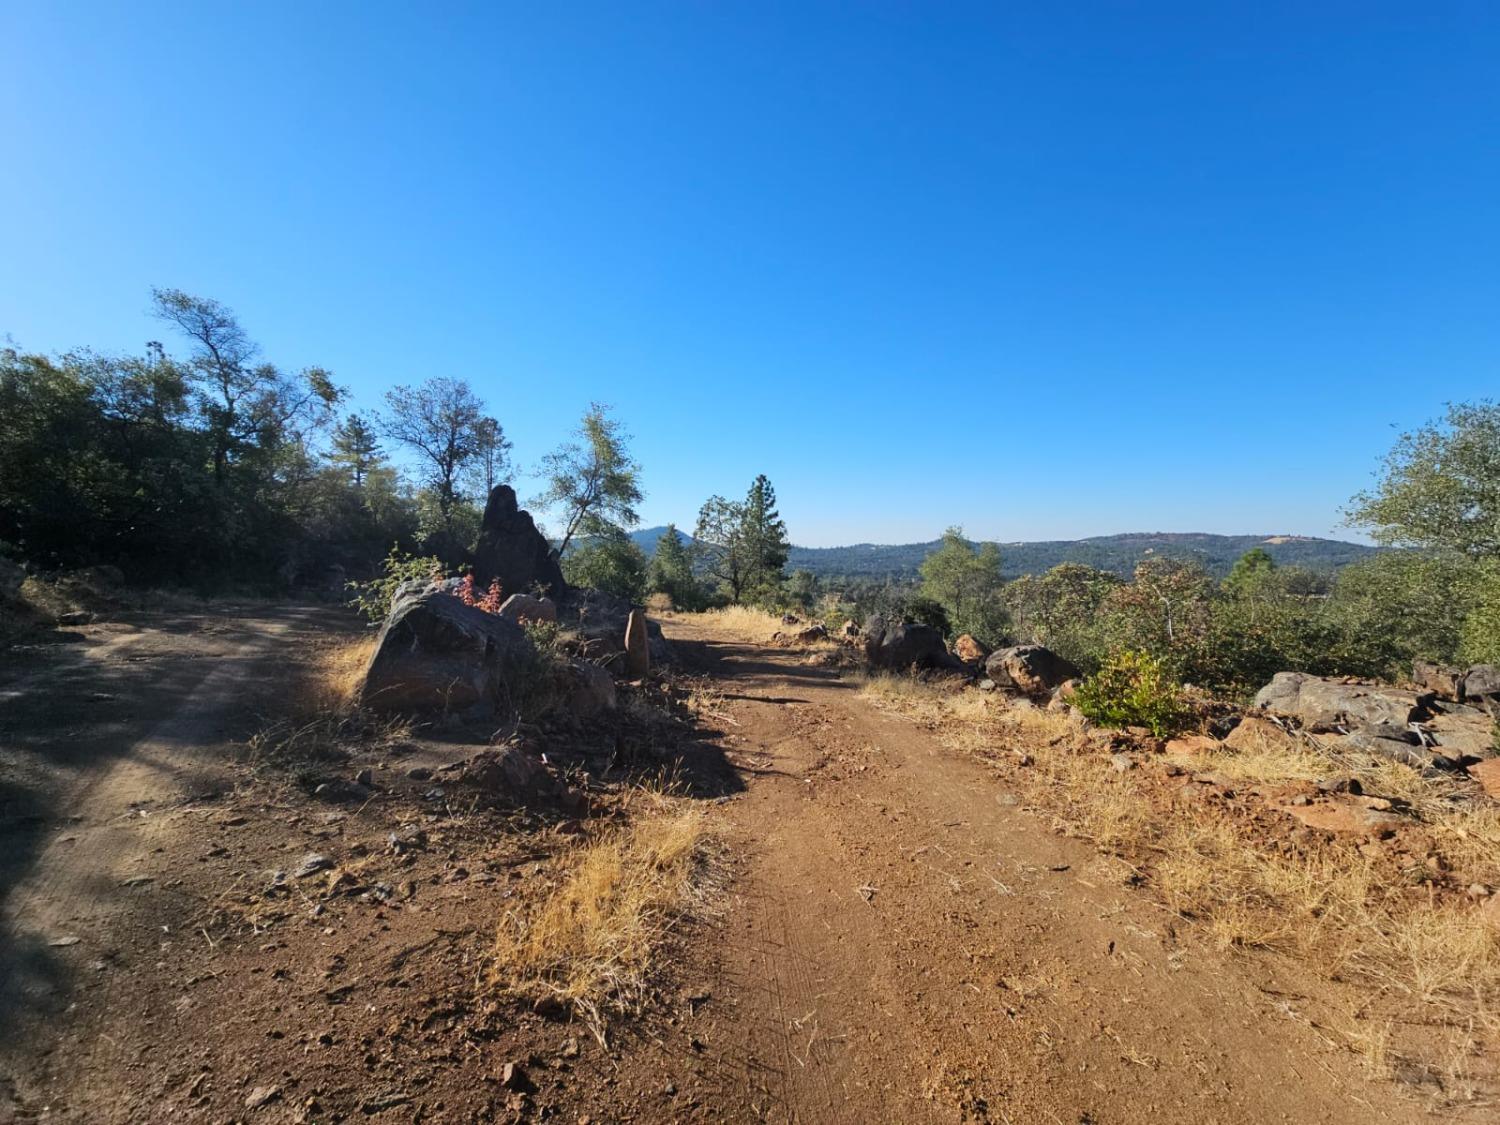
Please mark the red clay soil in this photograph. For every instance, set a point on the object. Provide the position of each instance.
(899, 942)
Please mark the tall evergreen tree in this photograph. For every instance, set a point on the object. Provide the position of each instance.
(356, 449)
(764, 535)
(672, 571)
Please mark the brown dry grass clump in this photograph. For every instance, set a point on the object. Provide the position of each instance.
(333, 684)
(1429, 960)
(741, 622)
(325, 718)
(587, 941)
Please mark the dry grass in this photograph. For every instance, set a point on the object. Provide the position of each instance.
(1430, 960)
(741, 622)
(336, 676)
(325, 719)
(588, 941)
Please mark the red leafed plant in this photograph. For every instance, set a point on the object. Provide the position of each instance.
(490, 603)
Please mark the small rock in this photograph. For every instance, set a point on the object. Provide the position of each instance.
(1487, 773)
(385, 1101)
(1349, 785)
(1122, 762)
(570, 1049)
(311, 864)
(1193, 744)
(1345, 818)
(261, 1095)
(419, 773)
(1478, 891)
(365, 777)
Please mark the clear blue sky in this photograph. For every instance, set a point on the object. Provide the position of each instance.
(1043, 270)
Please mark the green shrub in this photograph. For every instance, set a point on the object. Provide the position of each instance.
(373, 598)
(1133, 689)
(610, 562)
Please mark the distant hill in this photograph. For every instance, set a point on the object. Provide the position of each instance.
(1119, 553)
(647, 537)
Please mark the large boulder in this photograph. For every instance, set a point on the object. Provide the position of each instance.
(1460, 731)
(512, 550)
(436, 653)
(967, 649)
(1029, 669)
(1482, 686)
(523, 608)
(1443, 680)
(1325, 705)
(901, 646)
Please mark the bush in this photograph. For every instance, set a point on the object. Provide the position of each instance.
(373, 598)
(1133, 689)
(611, 563)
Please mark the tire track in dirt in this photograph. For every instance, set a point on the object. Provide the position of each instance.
(60, 908)
(909, 945)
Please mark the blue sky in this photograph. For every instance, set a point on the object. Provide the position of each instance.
(1042, 270)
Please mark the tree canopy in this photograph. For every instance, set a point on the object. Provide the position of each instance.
(1440, 486)
(593, 480)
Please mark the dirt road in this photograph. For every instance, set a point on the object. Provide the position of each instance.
(97, 737)
(906, 944)
(901, 941)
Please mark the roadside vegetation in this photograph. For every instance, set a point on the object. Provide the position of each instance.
(586, 941)
(1419, 965)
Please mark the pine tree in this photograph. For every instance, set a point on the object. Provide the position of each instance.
(672, 571)
(764, 534)
(356, 448)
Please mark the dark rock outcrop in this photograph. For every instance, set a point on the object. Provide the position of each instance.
(1030, 669)
(1481, 686)
(436, 653)
(1331, 705)
(600, 621)
(1443, 680)
(900, 646)
(513, 775)
(512, 550)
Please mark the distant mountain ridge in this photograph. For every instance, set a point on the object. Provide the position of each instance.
(1118, 553)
